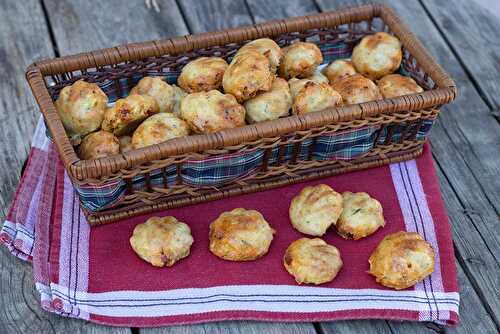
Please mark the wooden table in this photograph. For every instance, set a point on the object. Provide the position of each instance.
(464, 37)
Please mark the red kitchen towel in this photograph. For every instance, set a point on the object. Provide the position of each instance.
(93, 274)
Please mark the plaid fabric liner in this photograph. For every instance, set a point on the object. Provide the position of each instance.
(224, 169)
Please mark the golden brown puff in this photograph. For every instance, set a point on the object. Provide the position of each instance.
(266, 47)
(318, 77)
(362, 216)
(162, 241)
(97, 145)
(164, 94)
(300, 60)
(394, 85)
(315, 209)
(401, 260)
(315, 97)
(81, 107)
(159, 128)
(270, 105)
(202, 74)
(248, 75)
(339, 69)
(208, 112)
(125, 144)
(377, 55)
(297, 84)
(179, 94)
(312, 261)
(122, 118)
(240, 235)
(357, 89)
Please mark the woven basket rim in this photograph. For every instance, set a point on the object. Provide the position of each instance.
(80, 170)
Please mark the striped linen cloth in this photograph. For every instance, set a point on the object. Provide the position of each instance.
(93, 274)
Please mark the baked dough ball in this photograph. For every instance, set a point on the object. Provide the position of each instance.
(377, 55)
(208, 112)
(318, 77)
(362, 216)
(315, 209)
(97, 145)
(315, 97)
(357, 89)
(122, 118)
(162, 241)
(202, 74)
(270, 105)
(394, 85)
(248, 75)
(167, 96)
(300, 60)
(401, 260)
(339, 69)
(266, 47)
(312, 261)
(159, 128)
(125, 144)
(240, 235)
(81, 107)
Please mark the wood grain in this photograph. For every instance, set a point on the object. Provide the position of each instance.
(88, 25)
(18, 114)
(471, 29)
(212, 15)
(265, 10)
(240, 327)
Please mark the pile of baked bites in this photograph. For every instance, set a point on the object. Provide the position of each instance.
(262, 82)
(400, 260)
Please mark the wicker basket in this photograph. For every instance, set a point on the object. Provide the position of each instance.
(255, 157)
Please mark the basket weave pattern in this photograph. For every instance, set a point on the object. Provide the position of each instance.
(255, 157)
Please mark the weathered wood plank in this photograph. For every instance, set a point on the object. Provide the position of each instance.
(471, 28)
(212, 15)
(24, 38)
(467, 148)
(241, 327)
(263, 10)
(20, 310)
(88, 25)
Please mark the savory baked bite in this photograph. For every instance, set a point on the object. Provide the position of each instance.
(315, 209)
(208, 112)
(125, 144)
(318, 77)
(300, 60)
(315, 97)
(248, 75)
(394, 85)
(266, 47)
(97, 145)
(339, 69)
(122, 118)
(401, 260)
(362, 216)
(167, 96)
(240, 235)
(202, 74)
(270, 105)
(377, 55)
(312, 261)
(162, 241)
(81, 107)
(357, 89)
(159, 128)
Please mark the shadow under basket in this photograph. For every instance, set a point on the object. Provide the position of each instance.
(255, 157)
